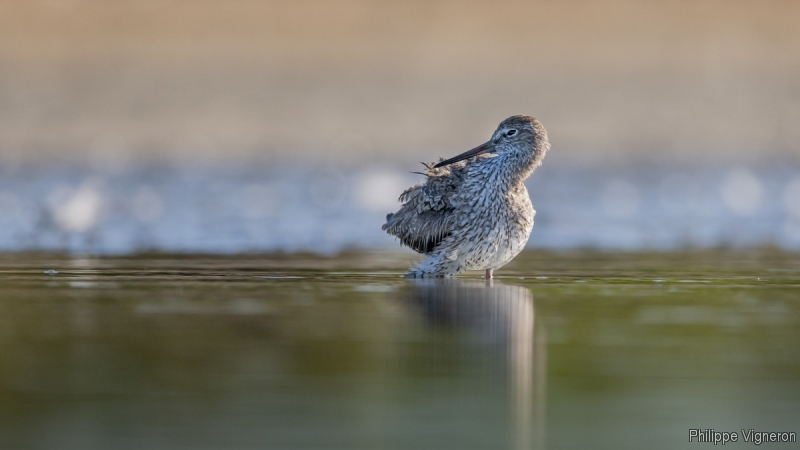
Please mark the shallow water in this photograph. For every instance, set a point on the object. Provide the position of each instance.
(328, 209)
(561, 351)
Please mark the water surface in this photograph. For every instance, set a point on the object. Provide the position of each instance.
(562, 351)
(328, 209)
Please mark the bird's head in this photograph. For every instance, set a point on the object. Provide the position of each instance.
(521, 137)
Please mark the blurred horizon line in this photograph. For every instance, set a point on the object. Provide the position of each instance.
(557, 159)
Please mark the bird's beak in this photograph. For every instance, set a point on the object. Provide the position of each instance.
(487, 147)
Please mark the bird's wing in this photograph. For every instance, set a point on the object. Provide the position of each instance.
(426, 216)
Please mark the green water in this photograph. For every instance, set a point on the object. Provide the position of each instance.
(561, 351)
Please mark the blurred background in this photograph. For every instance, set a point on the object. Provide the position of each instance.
(229, 126)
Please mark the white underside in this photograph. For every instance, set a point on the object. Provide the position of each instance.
(489, 252)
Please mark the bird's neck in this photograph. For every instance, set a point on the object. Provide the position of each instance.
(517, 165)
(495, 176)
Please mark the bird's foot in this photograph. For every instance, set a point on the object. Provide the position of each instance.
(489, 273)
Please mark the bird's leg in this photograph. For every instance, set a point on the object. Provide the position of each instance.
(489, 274)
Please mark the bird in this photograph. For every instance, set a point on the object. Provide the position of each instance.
(472, 211)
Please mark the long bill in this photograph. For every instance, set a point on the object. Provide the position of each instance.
(479, 150)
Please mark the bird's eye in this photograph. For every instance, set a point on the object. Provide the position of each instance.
(510, 133)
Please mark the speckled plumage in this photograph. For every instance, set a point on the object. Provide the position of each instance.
(473, 214)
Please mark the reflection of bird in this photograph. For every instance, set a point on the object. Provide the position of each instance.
(499, 318)
(488, 309)
(473, 215)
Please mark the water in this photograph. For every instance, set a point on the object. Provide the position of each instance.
(562, 351)
(325, 209)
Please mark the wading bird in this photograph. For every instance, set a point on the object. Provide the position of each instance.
(473, 212)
